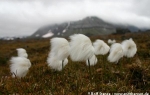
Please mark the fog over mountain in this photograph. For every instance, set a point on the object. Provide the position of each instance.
(24, 17)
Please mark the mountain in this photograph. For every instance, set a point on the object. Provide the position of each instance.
(89, 26)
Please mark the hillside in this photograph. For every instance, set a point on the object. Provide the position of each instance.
(89, 26)
(130, 75)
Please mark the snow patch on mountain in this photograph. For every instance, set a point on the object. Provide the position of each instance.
(37, 35)
(68, 25)
(49, 34)
(66, 28)
(58, 33)
(64, 31)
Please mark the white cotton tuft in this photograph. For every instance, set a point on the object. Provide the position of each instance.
(19, 66)
(111, 41)
(60, 48)
(129, 48)
(116, 52)
(92, 60)
(101, 47)
(114, 41)
(56, 64)
(22, 52)
(81, 48)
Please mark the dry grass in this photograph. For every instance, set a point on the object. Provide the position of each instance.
(130, 75)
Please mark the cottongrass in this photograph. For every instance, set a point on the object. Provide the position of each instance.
(116, 52)
(129, 48)
(60, 50)
(81, 48)
(101, 48)
(20, 65)
(111, 41)
(22, 52)
(56, 64)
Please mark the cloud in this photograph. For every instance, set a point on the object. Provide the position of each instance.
(24, 17)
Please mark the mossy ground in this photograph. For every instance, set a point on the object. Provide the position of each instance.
(129, 75)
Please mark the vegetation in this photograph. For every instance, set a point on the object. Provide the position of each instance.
(129, 75)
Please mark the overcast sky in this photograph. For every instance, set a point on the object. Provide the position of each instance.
(24, 17)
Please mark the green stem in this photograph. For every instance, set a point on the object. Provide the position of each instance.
(89, 69)
(77, 85)
(62, 64)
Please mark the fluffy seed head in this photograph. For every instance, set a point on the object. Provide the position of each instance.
(80, 47)
(116, 52)
(111, 41)
(19, 66)
(22, 52)
(101, 47)
(56, 64)
(129, 48)
(60, 48)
